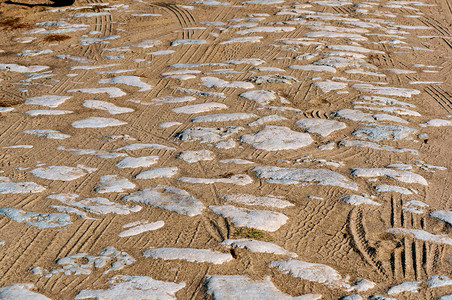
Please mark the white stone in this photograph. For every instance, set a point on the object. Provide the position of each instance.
(189, 254)
(259, 219)
(275, 138)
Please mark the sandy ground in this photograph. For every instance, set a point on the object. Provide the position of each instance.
(322, 128)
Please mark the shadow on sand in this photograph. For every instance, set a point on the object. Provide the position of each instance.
(56, 3)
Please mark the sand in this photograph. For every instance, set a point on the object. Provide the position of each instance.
(226, 149)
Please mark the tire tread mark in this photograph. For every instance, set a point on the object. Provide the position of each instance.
(184, 17)
(95, 235)
(435, 24)
(66, 248)
(441, 97)
(21, 254)
(449, 6)
(357, 231)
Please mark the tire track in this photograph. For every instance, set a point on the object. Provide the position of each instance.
(449, 8)
(73, 285)
(443, 98)
(429, 21)
(103, 24)
(214, 229)
(183, 16)
(17, 245)
(271, 55)
(340, 10)
(22, 254)
(337, 246)
(69, 245)
(352, 153)
(359, 241)
(8, 102)
(415, 259)
(316, 114)
(311, 220)
(95, 236)
(426, 20)
(26, 201)
(81, 238)
(11, 129)
(198, 285)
